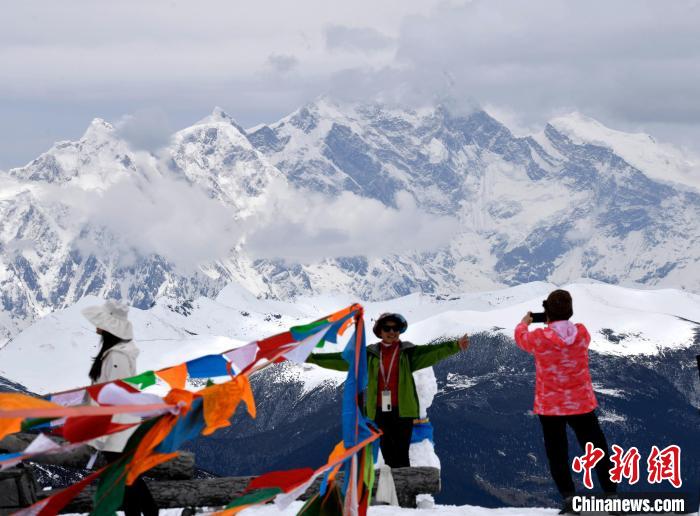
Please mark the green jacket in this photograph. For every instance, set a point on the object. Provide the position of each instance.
(411, 358)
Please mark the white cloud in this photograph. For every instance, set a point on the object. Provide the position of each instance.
(301, 226)
(146, 129)
(633, 64)
(282, 63)
(363, 39)
(161, 215)
(155, 213)
(582, 231)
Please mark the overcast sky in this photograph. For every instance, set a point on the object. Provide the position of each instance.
(632, 64)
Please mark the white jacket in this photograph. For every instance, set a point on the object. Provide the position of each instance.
(118, 362)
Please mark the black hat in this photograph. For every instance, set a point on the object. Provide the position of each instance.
(385, 317)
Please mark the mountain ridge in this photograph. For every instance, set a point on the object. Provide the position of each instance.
(529, 208)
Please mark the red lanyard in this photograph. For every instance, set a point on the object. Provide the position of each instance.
(386, 377)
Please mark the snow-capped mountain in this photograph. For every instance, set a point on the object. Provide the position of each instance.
(56, 247)
(559, 205)
(487, 441)
(576, 200)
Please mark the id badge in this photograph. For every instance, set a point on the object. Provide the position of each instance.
(386, 401)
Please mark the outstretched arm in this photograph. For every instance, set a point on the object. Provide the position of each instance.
(429, 355)
(333, 361)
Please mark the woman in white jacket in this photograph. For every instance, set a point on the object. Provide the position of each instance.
(115, 360)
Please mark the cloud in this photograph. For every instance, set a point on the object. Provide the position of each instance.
(157, 213)
(301, 226)
(362, 39)
(282, 63)
(632, 64)
(582, 231)
(611, 60)
(146, 129)
(160, 215)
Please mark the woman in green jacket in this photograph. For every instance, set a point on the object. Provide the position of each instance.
(392, 400)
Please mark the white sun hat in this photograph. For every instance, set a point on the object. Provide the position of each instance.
(111, 317)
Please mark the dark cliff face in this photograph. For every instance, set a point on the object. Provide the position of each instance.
(495, 455)
(10, 386)
(488, 441)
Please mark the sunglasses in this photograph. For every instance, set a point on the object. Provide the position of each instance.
(390, 327)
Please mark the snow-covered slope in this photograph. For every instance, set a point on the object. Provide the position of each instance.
(621, 321)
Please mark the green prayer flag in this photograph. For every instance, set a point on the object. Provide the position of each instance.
(331, 504)
(142, 380)
(110, 489)
(305, 328)
(258, 496)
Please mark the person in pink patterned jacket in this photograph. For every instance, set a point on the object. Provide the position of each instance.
(564, 391)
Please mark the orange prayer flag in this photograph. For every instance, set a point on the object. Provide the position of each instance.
(346, 325)
(180, 397)
(337, 453)
(248, 396)
(147, 463)
(13, 401)
(174, 376)
(221, 400)
(10, 426)
(342, 313)
(143, 458)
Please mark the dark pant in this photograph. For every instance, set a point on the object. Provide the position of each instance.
(587, 429)
(396, 438)
(137, 497)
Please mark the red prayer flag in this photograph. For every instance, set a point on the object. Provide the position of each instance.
(273, 346)
(285, 480)
(83, 428)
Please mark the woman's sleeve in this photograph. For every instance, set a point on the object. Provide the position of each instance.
(333, 361)
(115, 366)
(585, 336)
(428, 355)
(525, 339)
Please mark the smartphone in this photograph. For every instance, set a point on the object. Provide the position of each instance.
(538, 317)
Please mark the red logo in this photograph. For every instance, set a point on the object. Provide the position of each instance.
(587, 462)
(661, 464)
(665, 465)
(625, 465)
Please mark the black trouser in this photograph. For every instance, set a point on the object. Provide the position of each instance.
(396, 438)
(587, 429)
(137, 497)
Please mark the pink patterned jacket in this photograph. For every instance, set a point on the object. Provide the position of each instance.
(563, 384)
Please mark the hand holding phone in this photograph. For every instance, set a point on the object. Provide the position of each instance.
(538, 317)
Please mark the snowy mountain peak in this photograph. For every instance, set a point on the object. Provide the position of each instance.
(219, 116)
(656, 160)
(99, 125)
(98, 131)
(582, 129)
(98, 159)
(216, 154)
